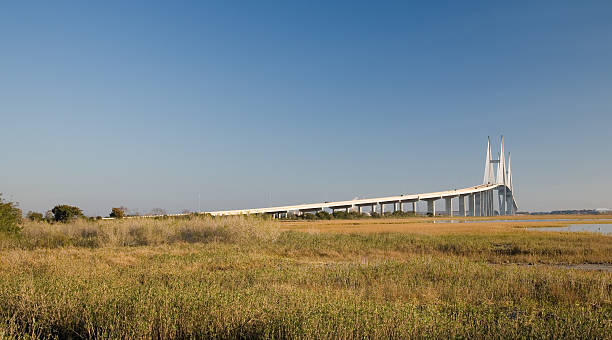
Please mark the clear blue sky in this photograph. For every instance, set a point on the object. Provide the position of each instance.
(146, 104)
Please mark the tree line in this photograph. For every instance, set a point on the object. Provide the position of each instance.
(11, 215)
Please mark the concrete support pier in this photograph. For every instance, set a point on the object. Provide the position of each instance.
(462, 205)
(485, 203)
(448, 204)
(502, 203)
(471, 201)
(492, 203)
(431, 207)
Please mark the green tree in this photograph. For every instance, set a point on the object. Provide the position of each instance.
(10, 216)
(66, 213)
(323, 215)
(118, 212)
(34, 216)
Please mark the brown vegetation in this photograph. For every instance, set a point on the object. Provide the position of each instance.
(242, 277)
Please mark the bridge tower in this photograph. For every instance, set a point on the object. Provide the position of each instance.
(503, 178)
(488, 172)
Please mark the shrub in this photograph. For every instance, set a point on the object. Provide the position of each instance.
(309, 216)
(400, 213)
(66, 213)
(34, 216)
(10, 216)
(118, 212)
(343, 215)
(323, 215)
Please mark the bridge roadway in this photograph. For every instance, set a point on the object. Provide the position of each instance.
(474, 204)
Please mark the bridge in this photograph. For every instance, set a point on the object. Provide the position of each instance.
(480, 198)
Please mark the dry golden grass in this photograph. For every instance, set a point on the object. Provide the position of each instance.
(429, 226)
(141, 232)
(242, 278)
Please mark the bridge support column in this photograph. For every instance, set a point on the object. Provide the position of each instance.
(401, 208)
(431, 207)
(477, 201)
(448, 204)
(461, 205)
(382, 209)
(414, 208)
(359, 209)
(373, 209)
(502, 201)
(492, 203)
(483, 203)
(505, 199)
(510, 205)
(471, 201)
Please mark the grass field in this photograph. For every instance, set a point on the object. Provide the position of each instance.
(244, 277)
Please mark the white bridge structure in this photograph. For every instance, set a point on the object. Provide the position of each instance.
(480, 198)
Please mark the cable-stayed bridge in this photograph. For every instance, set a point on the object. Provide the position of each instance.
(481, 199)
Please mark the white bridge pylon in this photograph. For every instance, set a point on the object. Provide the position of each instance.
(480, 198)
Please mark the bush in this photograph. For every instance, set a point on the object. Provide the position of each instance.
(309, 216)
(34, 216)
(118, 212)
(323, 215)
(10, 216)
(66, 213)
(400, 213)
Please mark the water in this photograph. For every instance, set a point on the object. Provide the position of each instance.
(592, 228)
(532, 220)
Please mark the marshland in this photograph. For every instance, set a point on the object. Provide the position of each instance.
(246, 277)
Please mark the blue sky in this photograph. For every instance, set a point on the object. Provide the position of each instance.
(148, 104)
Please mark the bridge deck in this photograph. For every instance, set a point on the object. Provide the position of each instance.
(361, 202)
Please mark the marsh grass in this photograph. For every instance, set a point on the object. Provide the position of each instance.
(141, 232)
(242, 278)
(513, 246)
